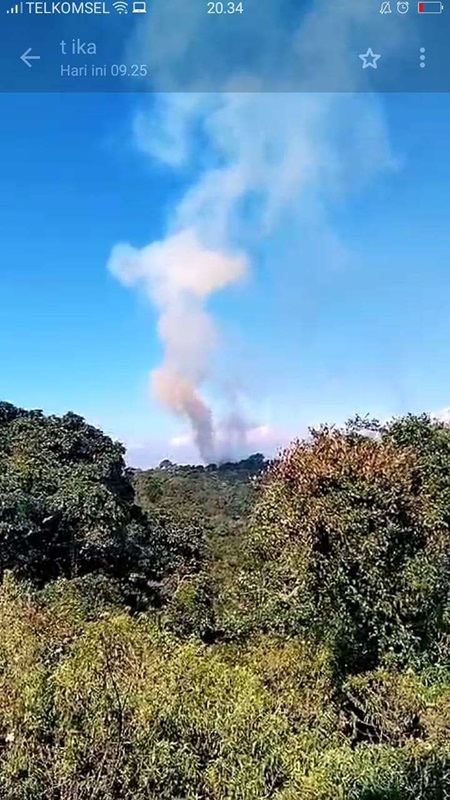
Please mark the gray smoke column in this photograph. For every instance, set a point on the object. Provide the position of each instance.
(178, 275)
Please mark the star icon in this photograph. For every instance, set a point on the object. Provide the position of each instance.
(369, 59)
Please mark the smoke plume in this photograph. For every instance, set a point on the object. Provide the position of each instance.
(178, 275)
(266, 168)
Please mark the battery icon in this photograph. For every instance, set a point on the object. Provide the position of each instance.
(430, 7)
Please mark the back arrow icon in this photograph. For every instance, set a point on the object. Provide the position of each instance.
(26, 58)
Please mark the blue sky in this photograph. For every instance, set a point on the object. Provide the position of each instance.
(306, 338)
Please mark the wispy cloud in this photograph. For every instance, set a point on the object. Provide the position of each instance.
(443, 415)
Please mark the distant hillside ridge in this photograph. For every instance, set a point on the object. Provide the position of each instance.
(221, 493)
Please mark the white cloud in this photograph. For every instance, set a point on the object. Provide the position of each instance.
(183, 440)
(443, 415)
(266, 437)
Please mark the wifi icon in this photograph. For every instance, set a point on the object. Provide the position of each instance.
(121, 7)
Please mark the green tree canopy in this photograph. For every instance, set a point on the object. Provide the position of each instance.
(350, 540)
(66, 502)
(67, 507)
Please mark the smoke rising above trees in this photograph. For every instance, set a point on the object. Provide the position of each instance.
(264, 168)
(178, 276)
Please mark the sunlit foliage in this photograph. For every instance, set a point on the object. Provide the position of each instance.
(306, 657)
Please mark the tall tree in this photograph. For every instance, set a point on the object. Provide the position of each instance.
(66, 501)
(351, 540)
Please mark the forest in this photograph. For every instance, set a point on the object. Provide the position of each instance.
(259, 630)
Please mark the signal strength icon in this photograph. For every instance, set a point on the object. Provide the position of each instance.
(17, 9)
(121, 7)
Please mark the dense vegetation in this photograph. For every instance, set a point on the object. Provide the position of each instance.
(235, 632)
